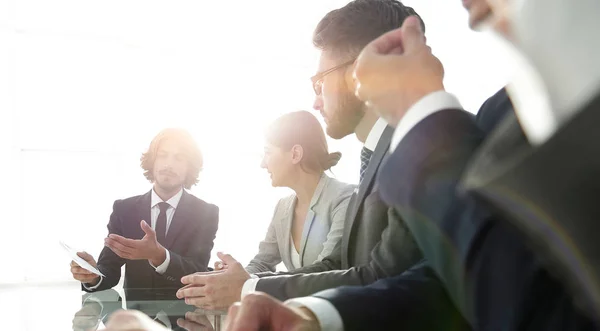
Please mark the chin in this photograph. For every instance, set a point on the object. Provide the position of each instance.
(337, 132)
(478, 16)
(168, 186)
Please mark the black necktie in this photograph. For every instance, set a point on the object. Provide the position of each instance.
(161, 222)
(365, 157)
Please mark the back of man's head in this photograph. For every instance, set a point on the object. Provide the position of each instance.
(347, 30)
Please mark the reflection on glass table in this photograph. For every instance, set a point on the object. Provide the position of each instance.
(159, 308)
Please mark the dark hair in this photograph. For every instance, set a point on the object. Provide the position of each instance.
(350, 28)
(302, 128)
(191, 150)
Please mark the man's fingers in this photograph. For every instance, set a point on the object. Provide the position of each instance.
(247, 318)
(131, 243)
(412, 35)
(111, 243)
(200, 302)
(196, 317)
(191, 292)
(84, 255)
(226, 258)
(119, 252)
(198, 278)
(77, 270)
(219, 265)
(148, 229)
(232, 315)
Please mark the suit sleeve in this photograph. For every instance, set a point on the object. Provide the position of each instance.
(395, 253)
(268, 256)
(483, 262)
(414, 300)
(110, 263)
(199, 255)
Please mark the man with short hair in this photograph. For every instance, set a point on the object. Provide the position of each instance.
(376, 243)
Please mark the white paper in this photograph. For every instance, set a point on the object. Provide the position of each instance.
(82, 263)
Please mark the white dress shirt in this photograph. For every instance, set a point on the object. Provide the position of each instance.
(154, 212)
(327, 315)
(370, 143)
(295, 256)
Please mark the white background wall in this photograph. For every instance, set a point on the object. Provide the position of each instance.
(85, 85)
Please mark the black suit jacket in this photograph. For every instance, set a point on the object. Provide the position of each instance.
(376, 244)
(550, 194)
(486, 266)
(189, 241)
(418, 298)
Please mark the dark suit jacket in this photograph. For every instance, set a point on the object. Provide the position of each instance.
(375, 244)
(550, 193)
(419, 299)
(485, 265)
(189, 241)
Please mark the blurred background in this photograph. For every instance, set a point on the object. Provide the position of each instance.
(85, 85)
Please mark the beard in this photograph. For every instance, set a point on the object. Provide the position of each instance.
(346, 117)
(170, 183)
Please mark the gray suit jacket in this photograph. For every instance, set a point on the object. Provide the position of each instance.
(376, 244)
(322, 230)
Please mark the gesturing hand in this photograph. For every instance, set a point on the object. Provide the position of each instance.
(217, 289)
(147, 248)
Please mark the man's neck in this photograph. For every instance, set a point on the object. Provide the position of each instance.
(165, 195)
(366, 124)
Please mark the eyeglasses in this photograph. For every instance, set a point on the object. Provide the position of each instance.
(317, 80)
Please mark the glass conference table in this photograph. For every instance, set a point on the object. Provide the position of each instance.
(66, 308)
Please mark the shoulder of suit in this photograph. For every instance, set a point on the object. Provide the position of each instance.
(286, 201)
(131, 200)
(337, 187)
(201, 203)
(336, 192)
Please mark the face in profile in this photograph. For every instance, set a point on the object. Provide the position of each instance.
(492, 12)
(479, 11)
(335, 100)
(170, 166)
(279, 164)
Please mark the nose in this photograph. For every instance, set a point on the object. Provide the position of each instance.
(263, 163)
(318, 103)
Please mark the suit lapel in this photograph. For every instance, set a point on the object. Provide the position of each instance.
(143, 213)
(183, 213)
(366, 185)
(504, 147)
(286, 223)
(310, 215)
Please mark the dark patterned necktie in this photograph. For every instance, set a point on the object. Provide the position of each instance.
(161, 222)
(365, 157)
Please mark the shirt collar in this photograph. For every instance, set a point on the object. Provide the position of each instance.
(375, 134)
(173, 202)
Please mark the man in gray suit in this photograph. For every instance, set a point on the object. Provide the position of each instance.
(376, 244)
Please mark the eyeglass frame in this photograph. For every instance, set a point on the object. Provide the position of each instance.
(321, 75)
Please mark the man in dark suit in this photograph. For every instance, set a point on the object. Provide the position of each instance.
(487, 249)
(162, 235)
(376, 243)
